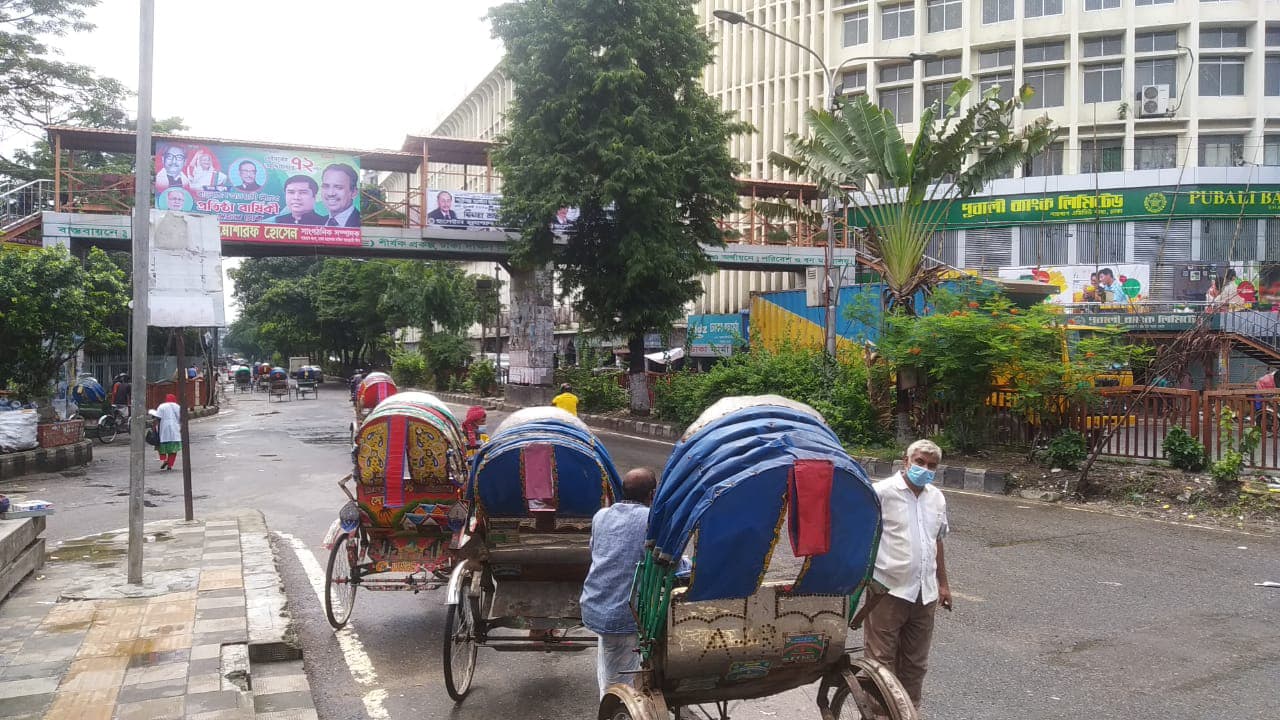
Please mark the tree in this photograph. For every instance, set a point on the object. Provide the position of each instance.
(608, 115)
(52, 306)
(903, 192)
(39, 89)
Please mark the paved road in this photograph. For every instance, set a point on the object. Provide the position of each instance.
(1060, 613)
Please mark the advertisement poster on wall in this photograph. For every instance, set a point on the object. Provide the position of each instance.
(278, 197)
(459, 210)
(1112, 284)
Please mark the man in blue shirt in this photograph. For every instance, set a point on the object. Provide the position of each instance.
(617, 546)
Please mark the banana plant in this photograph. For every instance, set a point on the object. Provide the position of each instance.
(902, 192)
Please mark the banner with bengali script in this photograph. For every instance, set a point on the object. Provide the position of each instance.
(1109, 284)
(459, 210)
(715, 335)
(275, 197)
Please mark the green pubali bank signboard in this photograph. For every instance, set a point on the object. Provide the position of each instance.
(1121, 204)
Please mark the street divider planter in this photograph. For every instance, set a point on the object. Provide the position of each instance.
(40, 460)
(57, 434)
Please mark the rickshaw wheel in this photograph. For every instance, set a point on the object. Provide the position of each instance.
(340, 597)
(107, 429)
(459, 650)
(869, 684)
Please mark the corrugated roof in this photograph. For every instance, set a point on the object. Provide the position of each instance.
(125, 141)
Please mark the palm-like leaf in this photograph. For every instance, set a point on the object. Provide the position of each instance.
(903, 191)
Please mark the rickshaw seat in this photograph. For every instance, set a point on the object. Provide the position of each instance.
(545, 549)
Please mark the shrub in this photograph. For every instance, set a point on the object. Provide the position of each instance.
(481, 377)
(838, 390)
(1065, 450)
(409, 369)
(1226, 472)
(1184, 451)
(597, 392)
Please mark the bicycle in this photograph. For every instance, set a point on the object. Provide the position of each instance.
(110, 423)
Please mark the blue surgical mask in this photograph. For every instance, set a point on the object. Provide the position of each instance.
(920, 476)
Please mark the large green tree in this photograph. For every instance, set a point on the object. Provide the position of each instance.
(608, 115)
(905, 189)
(51, 306)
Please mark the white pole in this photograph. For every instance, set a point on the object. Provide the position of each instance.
(141, 285)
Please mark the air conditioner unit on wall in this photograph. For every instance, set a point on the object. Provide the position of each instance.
(1154, 101)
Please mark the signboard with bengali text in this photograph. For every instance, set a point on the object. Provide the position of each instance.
(715, 335)
(274, 197)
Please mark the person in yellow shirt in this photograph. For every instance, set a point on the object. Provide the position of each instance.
(566, 400)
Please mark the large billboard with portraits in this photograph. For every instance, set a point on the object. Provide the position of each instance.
(262, 195)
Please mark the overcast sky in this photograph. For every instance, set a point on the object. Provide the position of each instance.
(320, 72)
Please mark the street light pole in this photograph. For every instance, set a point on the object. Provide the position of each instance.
(830, 286)
(141, 277)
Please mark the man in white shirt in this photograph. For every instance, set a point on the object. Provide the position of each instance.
(910, 569)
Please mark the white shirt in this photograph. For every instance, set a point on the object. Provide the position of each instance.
(170, 430)
(907, 562)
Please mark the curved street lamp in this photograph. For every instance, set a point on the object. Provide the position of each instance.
(830, 290)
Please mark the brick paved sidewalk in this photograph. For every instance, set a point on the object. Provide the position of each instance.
(178, 647)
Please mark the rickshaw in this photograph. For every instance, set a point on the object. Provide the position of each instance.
(277, 384)
(308, 381)
(395, 531)
(526, 547)
(373, 389)
(746, 622)
(243, 379)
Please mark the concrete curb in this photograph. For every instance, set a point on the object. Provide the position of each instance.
(995, 482)
(40, 460)
(202, 412)
(271, 634)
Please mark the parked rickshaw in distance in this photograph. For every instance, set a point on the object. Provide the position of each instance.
(278, 385)
(526, 546)
(395, 532)
(746, 623)
(372, 389)
(243, 378)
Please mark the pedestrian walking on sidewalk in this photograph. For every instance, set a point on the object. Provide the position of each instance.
(617, 546)
(168, 415)
(911, 571)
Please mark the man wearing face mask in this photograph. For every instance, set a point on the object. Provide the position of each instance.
(911, 573)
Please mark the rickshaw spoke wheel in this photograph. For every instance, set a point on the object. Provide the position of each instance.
(340, 581)
(107, 429)
(459, 649)
(869, 684)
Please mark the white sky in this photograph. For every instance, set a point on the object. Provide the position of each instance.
(337, 74)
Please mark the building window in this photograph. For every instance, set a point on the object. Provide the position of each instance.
(1101, 4)
(1040, 8)
(899, 102)
(1048, 162)
(853, 82)
(1273, 36)
(944, 246)
(938, 92)
(1042, 245)
(942, 66)
(1049, 85)
(1102, 83)
(1222, 38)
(1100, 242)
(1004, 81)
(897, 21)
(1271, 155)
(1221, 76)
(896, 73)
(1221, 150)
(1140, 3)
(997, 58)
(1102, 156)
(1044, 52)
(1102, 46)
(1161, 41)
(1155, 153)
(1271, 76)
(1155, 72)
(994, 11)
(1229, 239)
(944, 15)
(855, 28)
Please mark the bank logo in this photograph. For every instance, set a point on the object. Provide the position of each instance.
(1155, 202)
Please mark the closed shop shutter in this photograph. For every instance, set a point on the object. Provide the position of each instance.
(988, 249)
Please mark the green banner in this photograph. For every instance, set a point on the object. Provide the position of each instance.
(1121, 204)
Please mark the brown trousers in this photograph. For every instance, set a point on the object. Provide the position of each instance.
(897, 633)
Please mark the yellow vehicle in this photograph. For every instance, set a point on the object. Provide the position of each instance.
(1003, 396)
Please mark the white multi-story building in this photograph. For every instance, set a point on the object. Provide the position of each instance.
(1153, 97)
